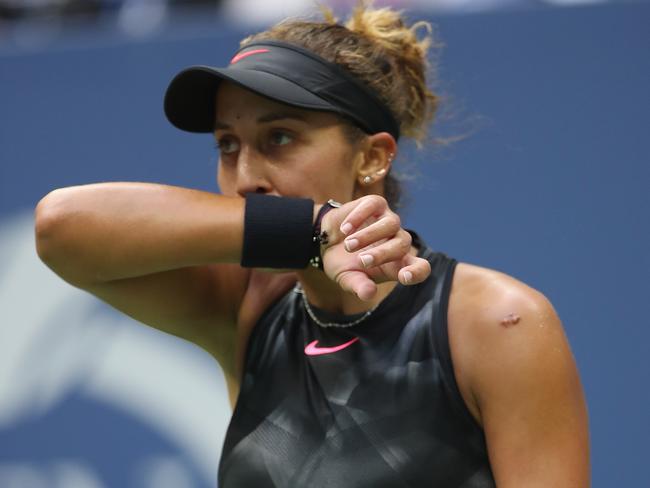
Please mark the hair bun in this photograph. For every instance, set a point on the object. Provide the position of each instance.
(399, 47)
(387, 27)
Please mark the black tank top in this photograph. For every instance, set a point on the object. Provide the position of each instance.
(373, 405)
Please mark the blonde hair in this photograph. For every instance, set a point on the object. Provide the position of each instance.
(378, 48)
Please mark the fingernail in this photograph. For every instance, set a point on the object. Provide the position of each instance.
(367, 260)
(351, 244)
(408, 276)
(346, 228)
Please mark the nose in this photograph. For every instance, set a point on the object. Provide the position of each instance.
(251, 173)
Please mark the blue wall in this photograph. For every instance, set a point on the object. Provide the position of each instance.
(551, 186)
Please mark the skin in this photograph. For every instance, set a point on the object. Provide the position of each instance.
(295, 156)
(179, 273)
(512, 360)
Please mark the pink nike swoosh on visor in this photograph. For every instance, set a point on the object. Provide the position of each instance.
(241, 56)
(312, 348)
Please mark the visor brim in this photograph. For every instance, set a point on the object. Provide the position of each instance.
(190, 98)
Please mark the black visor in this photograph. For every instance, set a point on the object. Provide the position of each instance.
(282, 72)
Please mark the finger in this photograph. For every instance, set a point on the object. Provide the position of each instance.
(357, 282)
(384, 228)
(368, 206)
(415, 271)
(409, 270)
(392, 250)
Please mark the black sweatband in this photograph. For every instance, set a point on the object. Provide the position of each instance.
(277, 232)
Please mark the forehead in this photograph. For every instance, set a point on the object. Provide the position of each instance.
(235, 102)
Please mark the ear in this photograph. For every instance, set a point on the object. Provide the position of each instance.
(378, 153)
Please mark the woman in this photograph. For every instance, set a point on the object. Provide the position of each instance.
(354, 355)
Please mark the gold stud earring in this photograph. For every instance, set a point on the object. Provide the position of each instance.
(390, 157)
(367, 180)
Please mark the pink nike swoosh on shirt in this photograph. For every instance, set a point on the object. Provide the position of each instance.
(313, 350)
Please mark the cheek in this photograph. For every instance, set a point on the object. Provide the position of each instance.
(333, 179)
(341, 176)
(291, 182)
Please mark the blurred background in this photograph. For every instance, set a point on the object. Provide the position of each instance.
(547, 179)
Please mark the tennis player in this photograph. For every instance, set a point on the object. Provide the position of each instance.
(355, 355)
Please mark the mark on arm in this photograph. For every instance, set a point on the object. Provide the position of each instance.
(510, 319)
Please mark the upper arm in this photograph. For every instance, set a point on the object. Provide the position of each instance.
(198, 303)
(526, 384)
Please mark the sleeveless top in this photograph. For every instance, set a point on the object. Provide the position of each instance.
(375, 405)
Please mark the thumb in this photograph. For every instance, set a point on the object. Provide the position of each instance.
(357, 282)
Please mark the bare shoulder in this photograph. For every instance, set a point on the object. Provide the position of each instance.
(493, 317)
(518, 377)
(493, 297)
(481, 302)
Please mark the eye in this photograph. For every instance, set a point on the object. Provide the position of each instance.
(228, 145)
(280, 138)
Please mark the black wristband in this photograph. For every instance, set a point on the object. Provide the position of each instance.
(277, 232)
(320, 237)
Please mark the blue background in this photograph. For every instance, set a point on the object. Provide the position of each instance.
(550, 182)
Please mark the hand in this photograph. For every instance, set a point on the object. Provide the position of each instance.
(367, 245)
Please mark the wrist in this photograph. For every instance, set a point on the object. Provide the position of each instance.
(317, 207)
(322, 233)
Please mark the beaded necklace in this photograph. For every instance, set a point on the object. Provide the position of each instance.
(310, 312)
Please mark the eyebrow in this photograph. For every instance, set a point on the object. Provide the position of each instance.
(265, 119)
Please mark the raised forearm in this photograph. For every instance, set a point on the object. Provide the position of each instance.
(107, 231)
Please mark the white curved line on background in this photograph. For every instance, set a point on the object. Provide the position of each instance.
(55, 339)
